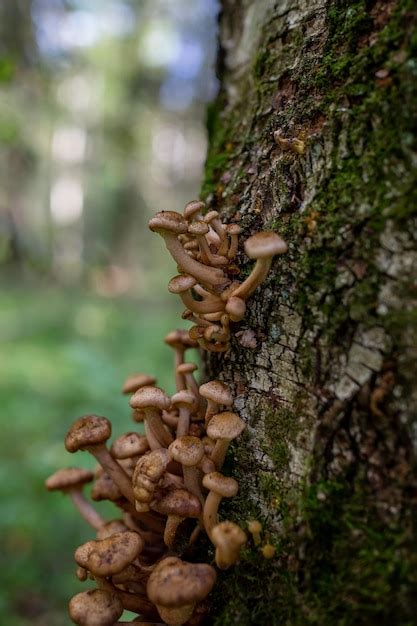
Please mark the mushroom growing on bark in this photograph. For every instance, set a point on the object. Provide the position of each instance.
(228, 539)
(219, 487)
(177, 504)
(223, 428)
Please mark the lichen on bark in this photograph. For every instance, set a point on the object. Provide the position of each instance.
(326, 386)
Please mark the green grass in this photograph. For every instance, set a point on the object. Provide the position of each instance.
(63, 354)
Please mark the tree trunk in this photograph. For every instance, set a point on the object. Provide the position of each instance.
(322, 367)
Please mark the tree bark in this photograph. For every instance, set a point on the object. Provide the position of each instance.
(323, 367)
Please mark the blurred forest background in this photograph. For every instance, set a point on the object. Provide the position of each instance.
(102, 122)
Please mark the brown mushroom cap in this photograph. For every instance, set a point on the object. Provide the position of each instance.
(217, 392)
(168, 221)
(264, 244)
(187, 450)
(180, 339)
(174, 583)
(68, 478)
(186, 399)
(178, 502)
(96, 607)
(86, 431)
(128, 445)
(110, 528)
(198, 228)
(105, 488)
(109, 556)
(181, 283)
(224, 486)
(150, 397)
(228, 538)
(193, 207)
(135, 381)
(187, 368)
(226, 425)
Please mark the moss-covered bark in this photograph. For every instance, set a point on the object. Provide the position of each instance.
(326, 385)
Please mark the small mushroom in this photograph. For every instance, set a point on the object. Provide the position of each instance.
(136, 381)
(186, 403)
(217, 394)
(228, 539)
(189, 451)
(199, 230)
(219, 487)
(105, 557)
(192, 210)
(179, 340)
(148, 472)
(235, 308)
(129, 445)
(177, 504)
(175, 587)
(96, 607)
(223, 428)
(71, 481)
(263, 247)
(153, 401)
(90, 433)
(255, 529)
(182, 284)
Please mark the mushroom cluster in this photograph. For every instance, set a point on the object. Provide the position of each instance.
(205, 250)
(167, 483)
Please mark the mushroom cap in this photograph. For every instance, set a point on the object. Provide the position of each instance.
(150, 397)
(96, 607)
(264, 244)
(224, 486)
(225, 425)
(89, 430)
(228, 535)
(181, 283)
(187, 450)
(187, 368)
(211, 215)
(180, 339)
(193, 207)
(177, 502)
(170, 221)
(68, 478)
(184, 398)
(136, 381)
(129, 444)
(174, 583)
(233, 229)
(216, 391)
(110, 528)
(236, 308)
(105, 557)
(198, 228)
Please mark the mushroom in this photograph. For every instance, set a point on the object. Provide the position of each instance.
(169, 224)
(228, 539)
(217, 394)
(105, 557)
(189, 451)
(219, 487)
(179, 340)
(223, 427)
(136, 381)
(199, 230)
(192, 210)
(186, 402)
(90, 433)
(235, 308)
(177, 504)
(153, 400)
(263, 247)
(96, 607)
(255, 529)
(175, 587)
(71, 481)
(233, 230)
(148, 472)
(181, 286)
(129, 445)
(268, 551)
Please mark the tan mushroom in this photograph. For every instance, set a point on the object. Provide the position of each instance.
(177, 504)
(148, 472)
(229, 540)
(152, 400)
(136, 381)
(223, 428)
(105, 557)
(186, 403)
(71, 481)
(129, 445)
(182, 284)
(90, 433)
(263, 247)
(189, 451)
(217, 394)
(175, 587)
(96, 607)
(180, 341)
(219, 487)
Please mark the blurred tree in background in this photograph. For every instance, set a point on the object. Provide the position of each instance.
(102, 122)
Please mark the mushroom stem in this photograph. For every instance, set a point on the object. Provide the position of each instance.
(113, 469)
(183, 422)
(255, 278)
(191, 481)
(210, 511)
(86, 510)
(152, 439)
(219, 453)
(171, 526)
(201, 306)
(157, 427)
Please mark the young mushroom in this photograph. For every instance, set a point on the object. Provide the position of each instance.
(219, 487)
(217, 394)
(71, 481)
(175, 587)
(177, 504)
(136, 381)
(263, 247)
(228, 538)
(96, 607)
(105, 557)
(90, 433)
(223, 428)
(152, 400)
(186, 403)
(189, 451)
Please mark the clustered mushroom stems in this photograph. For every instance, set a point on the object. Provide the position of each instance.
(171, 471)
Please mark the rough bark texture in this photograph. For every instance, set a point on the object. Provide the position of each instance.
(324, 370)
